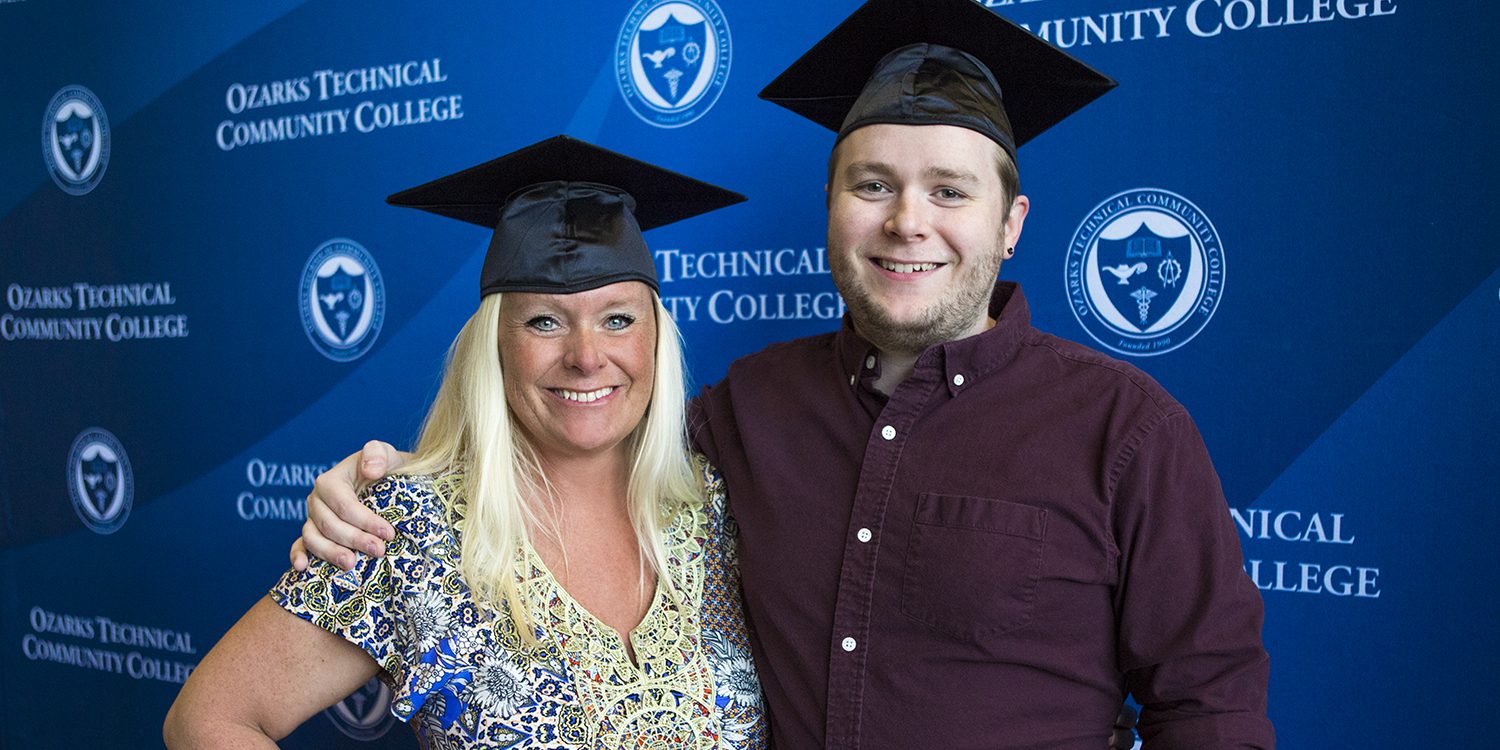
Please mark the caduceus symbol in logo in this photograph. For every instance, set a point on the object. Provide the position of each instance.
(1143, 302)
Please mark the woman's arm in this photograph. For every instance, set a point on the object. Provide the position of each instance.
(271, 672)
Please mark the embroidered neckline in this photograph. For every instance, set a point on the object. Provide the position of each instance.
(656, 610)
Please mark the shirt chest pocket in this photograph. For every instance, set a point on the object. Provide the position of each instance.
(972, 564)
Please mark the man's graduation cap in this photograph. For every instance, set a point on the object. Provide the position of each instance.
(936, 62)
(567, 215)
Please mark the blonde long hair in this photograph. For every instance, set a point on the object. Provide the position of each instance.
(469, 429)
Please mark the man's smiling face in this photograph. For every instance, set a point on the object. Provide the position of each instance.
(917, 228)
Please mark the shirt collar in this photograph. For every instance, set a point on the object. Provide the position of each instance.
(963, 362)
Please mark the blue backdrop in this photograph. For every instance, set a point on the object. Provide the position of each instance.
(180, 186)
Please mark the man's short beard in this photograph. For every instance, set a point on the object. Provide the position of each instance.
(944, 320)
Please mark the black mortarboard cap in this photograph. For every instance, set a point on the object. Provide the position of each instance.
(936, 62)
(567, 215)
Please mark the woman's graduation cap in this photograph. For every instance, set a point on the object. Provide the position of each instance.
(936, 62)
(567, 215)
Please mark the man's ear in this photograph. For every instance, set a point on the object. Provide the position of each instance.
(1016, 219)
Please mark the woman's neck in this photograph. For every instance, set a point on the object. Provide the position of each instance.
(589, 486)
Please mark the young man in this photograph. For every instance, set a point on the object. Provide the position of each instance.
(956, 530)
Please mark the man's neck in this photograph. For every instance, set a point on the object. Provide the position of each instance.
(896, 366)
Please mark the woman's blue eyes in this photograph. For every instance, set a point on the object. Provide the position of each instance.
(548, 324)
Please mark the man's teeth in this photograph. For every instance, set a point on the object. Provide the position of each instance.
(906, 267)
(584, 397)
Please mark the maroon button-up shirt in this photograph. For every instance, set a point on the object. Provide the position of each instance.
(990, 557)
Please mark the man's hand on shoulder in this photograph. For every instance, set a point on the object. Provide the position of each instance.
(337, 523)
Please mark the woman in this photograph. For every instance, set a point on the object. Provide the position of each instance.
(560, 574)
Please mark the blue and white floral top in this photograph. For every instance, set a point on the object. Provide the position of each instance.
(459, 668)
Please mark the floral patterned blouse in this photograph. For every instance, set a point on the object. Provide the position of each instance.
(461, 674)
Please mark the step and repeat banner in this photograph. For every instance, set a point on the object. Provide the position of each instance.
(207, 302)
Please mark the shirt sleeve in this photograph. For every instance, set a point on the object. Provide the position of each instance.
(1189, 616)
(712, 428)
(359, 605)
(725, 636)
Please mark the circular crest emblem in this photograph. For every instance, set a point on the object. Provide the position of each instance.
(672, 60)
(342, 300)
(100, 481)
(75, 140)
(1145, 272)
(366, 714)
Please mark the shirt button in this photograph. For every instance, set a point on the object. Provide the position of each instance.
(888, 432)
(863, 535)
(958, 379)
(848, 644)
(870, 362)
(851, 380)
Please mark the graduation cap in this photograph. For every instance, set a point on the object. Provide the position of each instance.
(936, 62)
(567, 214)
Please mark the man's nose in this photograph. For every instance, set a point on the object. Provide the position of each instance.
(909, 219)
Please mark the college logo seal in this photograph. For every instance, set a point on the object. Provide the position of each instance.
(1145, 272)
(100, 481)
(672, 60)
(342, 300)
(366, 714)
(75, 140)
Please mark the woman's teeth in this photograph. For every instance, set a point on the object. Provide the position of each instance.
(584, 397)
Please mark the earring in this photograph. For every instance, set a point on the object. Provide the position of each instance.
(1009, 253)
